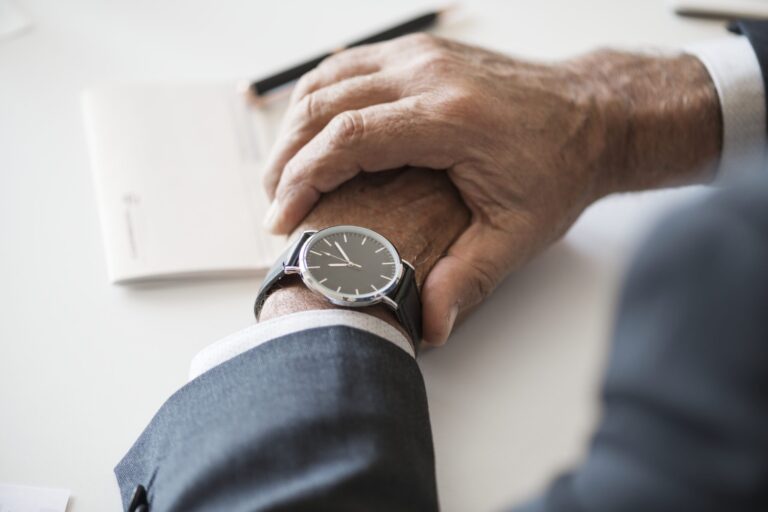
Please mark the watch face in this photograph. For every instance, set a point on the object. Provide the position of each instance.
(350, 265)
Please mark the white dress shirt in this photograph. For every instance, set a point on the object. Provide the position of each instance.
(734, 68)
(269, 330)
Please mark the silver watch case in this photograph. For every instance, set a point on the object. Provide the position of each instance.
(342, 299)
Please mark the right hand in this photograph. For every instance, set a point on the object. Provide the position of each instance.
(529, 146)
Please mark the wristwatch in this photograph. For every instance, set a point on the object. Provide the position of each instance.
(354, 267)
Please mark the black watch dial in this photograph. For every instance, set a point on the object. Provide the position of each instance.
(350, 263)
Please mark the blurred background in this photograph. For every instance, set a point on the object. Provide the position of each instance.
(84, 364)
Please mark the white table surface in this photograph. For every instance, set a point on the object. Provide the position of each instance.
(84, 364)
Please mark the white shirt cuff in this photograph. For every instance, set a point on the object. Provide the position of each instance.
(735, 70)
(264, 332)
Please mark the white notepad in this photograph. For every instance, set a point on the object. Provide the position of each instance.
(177, 173)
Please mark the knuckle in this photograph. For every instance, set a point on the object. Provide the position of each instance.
(293, 176)
(366, 82)
(333, 64)
(306, 109)
(459, 103)
(346, 128)
(307, 82)
(292, 172)
(302, 182)
(450, 103)
(297, 176)
(482, 278)
(484, 282)
(421, 39)
(436, 61)
(330, 62)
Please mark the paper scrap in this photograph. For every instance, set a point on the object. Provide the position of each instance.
(23, 498)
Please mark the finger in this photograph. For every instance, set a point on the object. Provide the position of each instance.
(315, 110)
(381, 137)
(361, 60)
(475, 264)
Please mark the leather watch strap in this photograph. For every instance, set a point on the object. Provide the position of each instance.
(408, 301)
(289, 258)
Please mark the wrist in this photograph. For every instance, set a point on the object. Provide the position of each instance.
(291, 296)
(661, 117)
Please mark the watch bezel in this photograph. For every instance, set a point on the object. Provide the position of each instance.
(344, 299)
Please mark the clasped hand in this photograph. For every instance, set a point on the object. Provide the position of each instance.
(528, 146)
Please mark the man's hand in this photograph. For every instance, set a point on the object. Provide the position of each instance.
(529, 146)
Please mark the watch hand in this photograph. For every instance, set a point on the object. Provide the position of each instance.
(346, 263)
(342, 252)
(334, 256)
(350, 264)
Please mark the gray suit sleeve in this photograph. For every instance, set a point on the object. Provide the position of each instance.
(326, 419)
(685, 399)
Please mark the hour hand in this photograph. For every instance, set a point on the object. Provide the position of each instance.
(345, 264)
(350, 264)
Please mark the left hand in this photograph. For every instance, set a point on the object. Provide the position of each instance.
(404, 206)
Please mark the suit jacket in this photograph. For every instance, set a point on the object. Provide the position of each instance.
(335, 418)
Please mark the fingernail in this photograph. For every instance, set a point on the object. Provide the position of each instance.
(452, 319)
(270, 220)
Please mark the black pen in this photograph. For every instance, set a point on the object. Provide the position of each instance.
(261, 87)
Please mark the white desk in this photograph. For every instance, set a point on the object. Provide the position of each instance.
(84, 365)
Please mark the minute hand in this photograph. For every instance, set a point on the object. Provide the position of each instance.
(342, 252)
